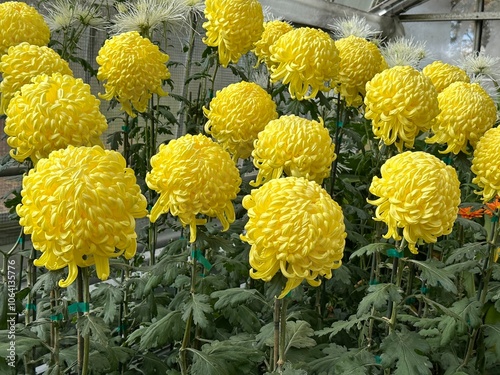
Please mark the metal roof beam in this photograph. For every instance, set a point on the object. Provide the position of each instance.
(470, 16)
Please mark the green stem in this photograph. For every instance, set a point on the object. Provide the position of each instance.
(282, 326)
(54, 329)
(276, 320)
(83, 341)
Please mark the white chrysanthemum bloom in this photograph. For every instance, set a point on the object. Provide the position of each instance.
(62, 14)
(480, 64)
(146, 16)
(405, 52)
(355, 25)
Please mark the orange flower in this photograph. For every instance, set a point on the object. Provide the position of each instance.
(492, 207)
(468, 213)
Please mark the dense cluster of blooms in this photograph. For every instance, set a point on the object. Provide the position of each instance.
(194, 176)
(233, 26)
(295, 227)
(51, 113)
(79, 206)
(133, 69)
(307, 60)
(486, 164)
(467, 112)
(360, 60)
(273, 30)
(401, 102)
(418, 193)
(22, 63)
(295, 146)
(442, 75)
(237, 114)
(19, 23)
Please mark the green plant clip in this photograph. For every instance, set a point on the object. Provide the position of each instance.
(424, 290)
(196, 254)
(378, 359)
(21, 240)
(78, 307)
(125, 128)
(494, 219)
(340, 124)
(121, 328)
(30, 306)
(393, 253)
(373, 282)
(56, 317)
(447, 160)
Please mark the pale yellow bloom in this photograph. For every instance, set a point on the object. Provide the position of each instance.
(24, 62)
(51, 113)
(194, 176)
(133, 69)
(417, 193)
(401, 102)
(294, 146)
(307, 60)
(233, 26)
(295, 227)
(467, 112)
(237, 114)
(273, 30)
(19, 23)
(360, 60)
(79, 206)
(486, 164)
(442, 75)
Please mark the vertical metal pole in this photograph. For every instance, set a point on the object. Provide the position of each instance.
(478, 27)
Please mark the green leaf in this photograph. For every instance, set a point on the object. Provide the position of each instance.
(198, 306)
(298, 335)
(109, 297)
(371, 248)
(492, 338)
(167, 329)
(469, 251)
(433, 272)
(378, 296)
(341, 325)
(95, 327)
(235, 296)
(242, 316)
(406, 349)
(338, 360)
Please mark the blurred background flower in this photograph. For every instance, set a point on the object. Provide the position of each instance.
(233, 26)
(401, 102)
(272, 32)
(237, 114)
(466, 113)
(296, 228)
(24, 62)
(355, 26)
(486, 164)
(80, 206)
(442, 74)
(417, 193)
(403, 51)
(132, 69)
(19, 23)
(194, 176)
(293, 146)
(51, 113)
(306, 60)
(63, 14)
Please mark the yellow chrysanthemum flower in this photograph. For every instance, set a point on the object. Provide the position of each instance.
(442, 75)
(295, 146)
(194, 176)
(401, 102)
(418, 193)
(22, 63)
(306, 59)
(237, 114)
(79, 206)
(486, 164)
(360, 60)
(19, 23)
(273, 30)
(467, 112)
(133, 68)
(233, 26)
(295, 227)
(51, 113)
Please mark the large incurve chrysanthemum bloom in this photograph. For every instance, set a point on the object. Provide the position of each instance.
(273, 30)
(401, 102)
(237, 114)
(486, 164)
(51, 113)
(24, 62)
(295, 227)
(360, 60)
(233, 26)
(19, 23)
(194, 176)
(467, 112)
(307, 60)
(417, 193)
(133, 69)
(80, 205)
(442, 74)
(295, 146)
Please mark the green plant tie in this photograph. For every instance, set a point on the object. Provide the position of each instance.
(196, 254)
(31, 306)
(393, 253)
(447, 160)
(21, 240)
(424, 290)
(56, 317)
(125, 128)
(122, 328)
(373, 282)
(494, 219)
(340, 124)
(78, 307)
(378, 359)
